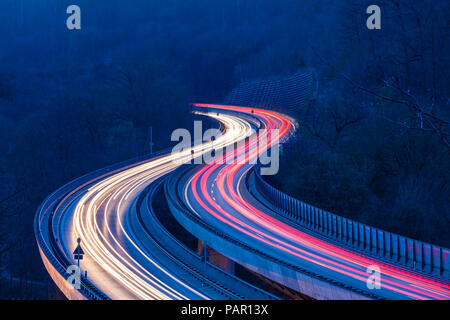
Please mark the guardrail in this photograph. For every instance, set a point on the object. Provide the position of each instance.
(414, 254)
(173, 189)
(45, 214)
(48, 247)
(51, 207)
(191, 262)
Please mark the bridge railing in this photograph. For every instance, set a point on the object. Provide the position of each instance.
(174, 189)
(50, 207)
(190, 260)
(43, 221)
(414, 254)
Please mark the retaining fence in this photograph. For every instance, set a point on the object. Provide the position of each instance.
(415, 254)
(284, 93)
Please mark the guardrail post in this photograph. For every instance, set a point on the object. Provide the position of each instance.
(330, 224)
(277, 199)
(427, 257)
(367, 236)
(436, 264)
(387, 245)
(316, 216)
(306, 207)
(280, 200)
(292, 208)
(308, 214)
(380, 245)
(410, 252)
(356, 234)
(300, 207)
(321, 222)
(402, 249)
(305, 220)
(286, 203)
(374, 241)
(335, 229)
(395, 247)
(446, 263)
(418, 247)
(349, 231)
(345, 229)
(339, 227)
(361, 235)
(326, 226)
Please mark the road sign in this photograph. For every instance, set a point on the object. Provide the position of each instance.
(78, 252)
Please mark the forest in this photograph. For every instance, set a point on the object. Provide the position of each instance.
(373, 144)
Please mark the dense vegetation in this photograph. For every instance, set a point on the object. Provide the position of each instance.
(369, 145)
(374, 144)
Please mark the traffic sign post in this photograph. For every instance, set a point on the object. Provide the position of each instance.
(78, 252)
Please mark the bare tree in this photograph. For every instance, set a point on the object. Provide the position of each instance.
(427, 119)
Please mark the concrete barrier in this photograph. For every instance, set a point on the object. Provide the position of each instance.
(417, 255)
(295, 277)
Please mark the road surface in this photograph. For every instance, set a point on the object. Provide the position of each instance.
(216, 193)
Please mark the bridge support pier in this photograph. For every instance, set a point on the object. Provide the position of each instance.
(216, 258)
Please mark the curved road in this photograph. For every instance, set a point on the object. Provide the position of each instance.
(216, 193)
(124, 266)
(118, 264)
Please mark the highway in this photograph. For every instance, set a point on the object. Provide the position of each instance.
(129, 254)
(217, 194)
(119, 264)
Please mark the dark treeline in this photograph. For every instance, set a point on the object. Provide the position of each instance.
(374, 144)
(75, 101)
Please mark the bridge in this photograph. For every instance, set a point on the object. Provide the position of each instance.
(128, 254)
(229, 208)
(314, 252)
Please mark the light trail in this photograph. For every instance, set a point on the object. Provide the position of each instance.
(231, 213)
(99, 220)
(122, 268)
